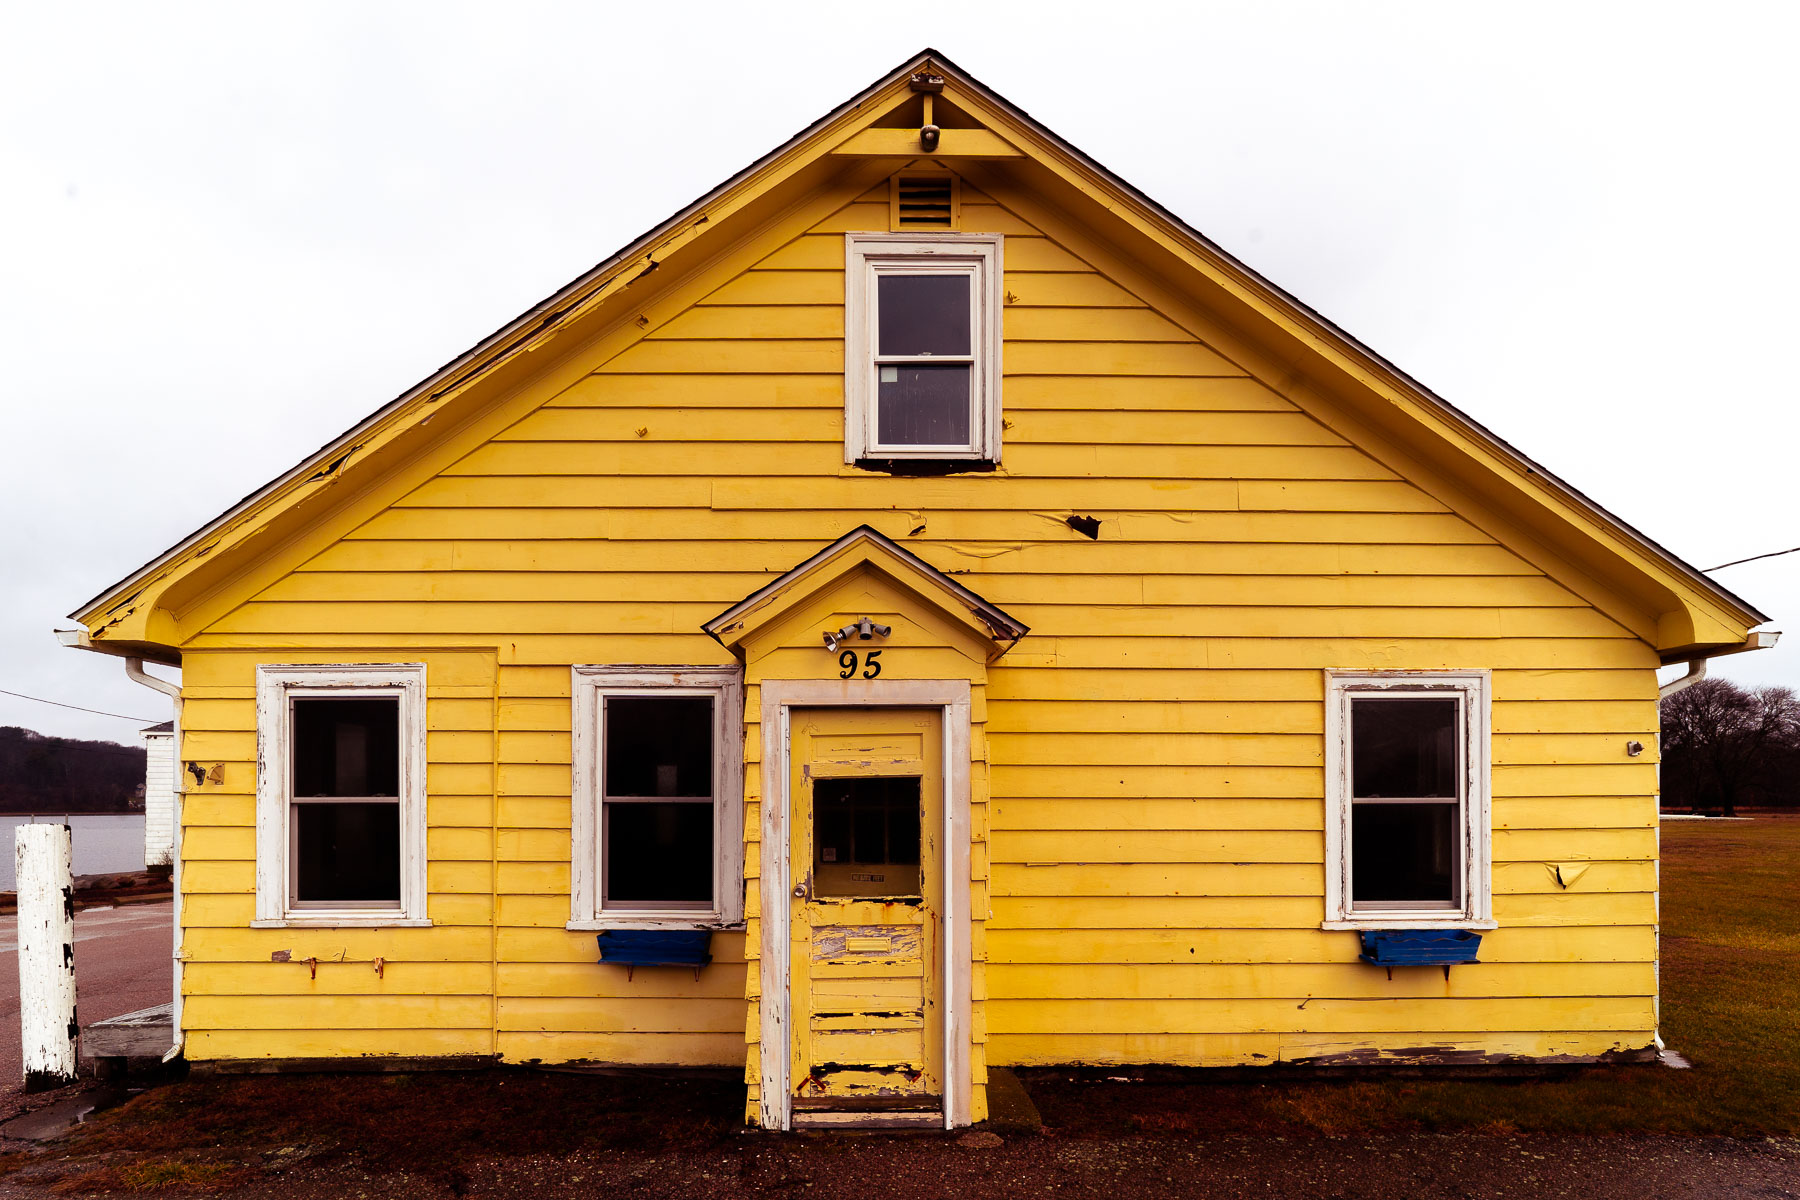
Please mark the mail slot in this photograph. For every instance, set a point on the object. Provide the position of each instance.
(868, 943)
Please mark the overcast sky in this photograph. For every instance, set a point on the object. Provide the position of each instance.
(228, 233)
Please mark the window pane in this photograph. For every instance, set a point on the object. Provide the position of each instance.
(1405, 852)
(348, 747)
(659, 853)
(347, 853)
(866, 837)
(659, 745)
(1403, 748)
(920, 404)
(922, 314)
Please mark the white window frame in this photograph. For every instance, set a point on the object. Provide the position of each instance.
(867, 255)
(277, 686)
(589, 687)
(1472, 688)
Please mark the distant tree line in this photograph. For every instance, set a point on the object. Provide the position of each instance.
(66, 775)
(1725, 747)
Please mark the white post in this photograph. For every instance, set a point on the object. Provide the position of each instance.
(46, 890)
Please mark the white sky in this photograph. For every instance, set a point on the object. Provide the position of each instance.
(229, 232)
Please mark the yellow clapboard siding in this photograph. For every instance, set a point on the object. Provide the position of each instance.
(1574, 716)
(1016, 812)
(202, 876)
(1564, 845)
(1160, 879)
(1070, 289)
(1046, 846)
(589, 980)
(639, 1048)
(1252, 947)
(1154, 717)
(541, 462)
(975, 558)
(295, 978)
(327, 1012)
(825, 252)
(1550, 748)
(654, 1014)
(764, 356)
(780, 321)
(526, 949)
(556, 524)
(1141, 393)
(1563, 813)
(1218, 1050)
(1086, 325)
(1338, 980)
(1080, 359)
(773, 286)
(221, 841)
(1527, 878)
(1185, 912)
(550, 844)
(202, 1044)
(825, 425)
(239, 944)
(1157, 749)
(1321, 1015)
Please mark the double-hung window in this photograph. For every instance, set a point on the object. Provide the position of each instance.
(922, 346)
(1407, 820)
(340, 795)
(658, 797)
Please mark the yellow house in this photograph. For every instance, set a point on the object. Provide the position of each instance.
(921, 608)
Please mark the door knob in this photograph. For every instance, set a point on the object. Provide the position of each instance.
(799, 891)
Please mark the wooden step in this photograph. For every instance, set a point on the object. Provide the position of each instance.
(868, 1119)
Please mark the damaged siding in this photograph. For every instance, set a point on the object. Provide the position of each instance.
(1157, 779)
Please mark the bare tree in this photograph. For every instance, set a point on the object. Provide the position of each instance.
(1719, 740)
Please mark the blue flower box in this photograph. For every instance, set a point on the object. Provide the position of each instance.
(1420, 947)
(634, 948)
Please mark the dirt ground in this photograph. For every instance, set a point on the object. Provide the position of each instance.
(523, 1133)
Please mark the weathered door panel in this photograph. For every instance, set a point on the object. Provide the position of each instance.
(866, 988)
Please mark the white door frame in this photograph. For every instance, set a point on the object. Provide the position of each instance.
(951, 698)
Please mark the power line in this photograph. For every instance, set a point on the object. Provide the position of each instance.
(76, 707)
(1771, 554)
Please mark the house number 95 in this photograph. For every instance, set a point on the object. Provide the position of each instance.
(871, 666)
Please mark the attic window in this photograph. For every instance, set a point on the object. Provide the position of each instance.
(924, 200)
(922, 347)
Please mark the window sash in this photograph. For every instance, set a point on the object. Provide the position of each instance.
(1470, 806)
(869, 256)
(278, 687)
(592, 687)
(970, 271)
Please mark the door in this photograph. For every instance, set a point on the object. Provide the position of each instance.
(865, 969)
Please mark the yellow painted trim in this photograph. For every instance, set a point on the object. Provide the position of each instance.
(904, 143)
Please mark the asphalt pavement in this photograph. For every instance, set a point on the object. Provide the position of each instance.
(122, 963)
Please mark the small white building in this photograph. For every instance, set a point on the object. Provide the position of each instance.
(159, 794)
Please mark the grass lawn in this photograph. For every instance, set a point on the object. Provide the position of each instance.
(1731, 1005)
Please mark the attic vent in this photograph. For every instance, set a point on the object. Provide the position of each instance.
(924, 201)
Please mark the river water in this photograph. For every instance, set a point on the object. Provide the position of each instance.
(103, 842)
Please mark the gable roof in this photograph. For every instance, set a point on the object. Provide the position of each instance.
(864, 545)
(1611, 562)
